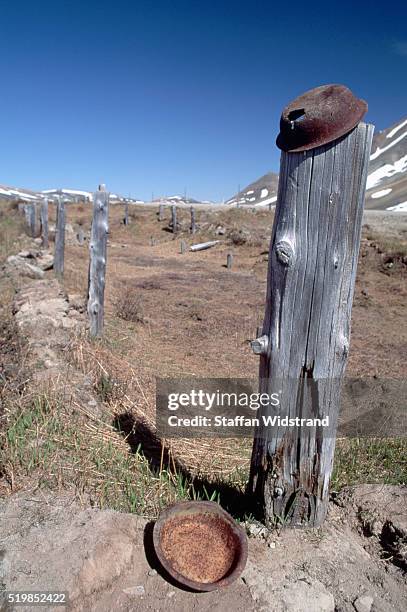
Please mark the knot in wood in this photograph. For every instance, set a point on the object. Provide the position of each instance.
(285, 253)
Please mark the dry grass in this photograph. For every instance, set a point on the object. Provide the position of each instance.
(129, 306)
(119, 384)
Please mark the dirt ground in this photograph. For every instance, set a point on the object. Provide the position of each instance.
(199, 316)
(106, 562)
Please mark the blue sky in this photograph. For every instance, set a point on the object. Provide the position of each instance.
(161, 96)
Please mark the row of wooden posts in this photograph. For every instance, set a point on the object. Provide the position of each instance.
(97, 245)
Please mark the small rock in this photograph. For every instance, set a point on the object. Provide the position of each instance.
(76, 302)
(137, 591)
(45, 260)
(256, 530)
(271, 544)
(364, 292)
(19, 265)
(171, 594)
(307, 596)
(27, 254)
(363, 603)
(152, 572)
(220, 231)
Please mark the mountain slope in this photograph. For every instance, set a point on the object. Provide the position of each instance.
(262, 192)
(387, 180)
(386, 183)
(73, 195)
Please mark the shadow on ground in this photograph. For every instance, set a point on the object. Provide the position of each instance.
(142, 440)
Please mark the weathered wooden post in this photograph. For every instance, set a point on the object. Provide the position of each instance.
(97, 261)
(30, 218)
(44, 223)
(126, 213)
(160, 216)
(193, 226)
(229, 261)
(59, 252)
(80, 236)
(174, 219)
(27, 217)
(312, 267)
(183, 247)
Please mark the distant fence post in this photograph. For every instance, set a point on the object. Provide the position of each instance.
(305, 336)
(27, 218)
(193, 227)
(97, 261)
(160, 212)
(182, 247)
(126, 212)
(174, 219)
(81, 236)
(229, 261)
(59, 253)
(44, 223)
(29, 211)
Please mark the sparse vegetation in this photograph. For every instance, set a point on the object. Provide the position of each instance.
(129, 307)
(370, 460)
(47, 441)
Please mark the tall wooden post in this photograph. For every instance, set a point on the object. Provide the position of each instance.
(160, 212)
(174, 219)
(229, 261)
(193, 227)
(305, 337)
(44, 223)
(97, 261)
(59, 253)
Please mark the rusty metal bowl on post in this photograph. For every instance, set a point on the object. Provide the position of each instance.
(200, 545)
(318, 117)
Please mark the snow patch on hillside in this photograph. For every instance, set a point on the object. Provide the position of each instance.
(396, 129)
(381, 194)
(380, 151)
(385, 171)
(398, 207)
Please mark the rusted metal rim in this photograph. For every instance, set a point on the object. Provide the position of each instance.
(191, 538)
(318, 117)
